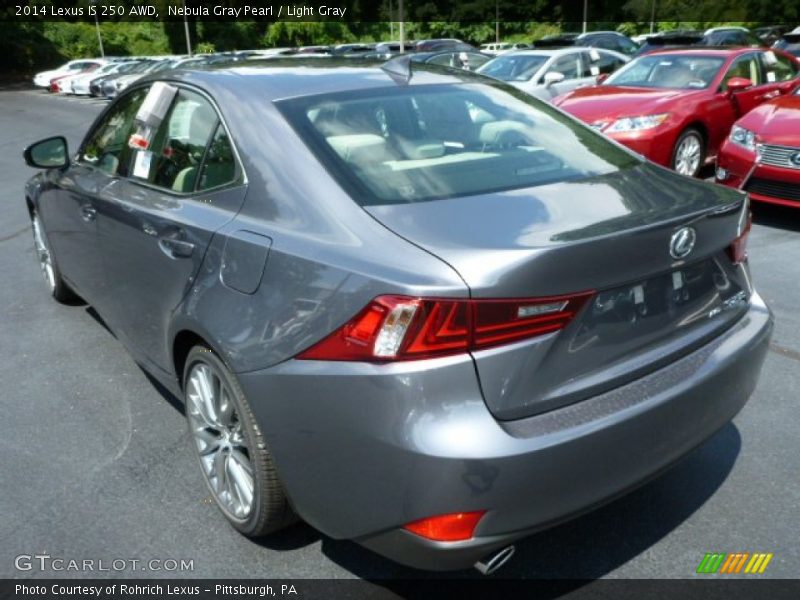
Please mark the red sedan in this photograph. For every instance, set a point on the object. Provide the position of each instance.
(762, 153)
(676, 107)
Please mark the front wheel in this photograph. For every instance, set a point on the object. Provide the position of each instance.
(237, 466)
(689, 154)
(58, 288)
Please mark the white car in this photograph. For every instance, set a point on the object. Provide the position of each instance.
(80, 83)
(498, 48)
(550, 73)
(44, 78)
(64, 84)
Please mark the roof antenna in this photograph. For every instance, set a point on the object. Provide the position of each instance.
(399, 68)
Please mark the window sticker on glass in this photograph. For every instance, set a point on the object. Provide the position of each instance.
(771, 76)
(595, 70)
(141, 164)
(594, 55)
(770, 58)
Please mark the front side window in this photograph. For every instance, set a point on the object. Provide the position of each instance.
(423, 142)
(569, 66)
(746, 67)
(678, 71)
(107, 148)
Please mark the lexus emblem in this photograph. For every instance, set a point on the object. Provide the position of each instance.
(682, 242)
(795, 159)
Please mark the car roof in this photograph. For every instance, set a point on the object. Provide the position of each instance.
(548, 51)
(275, 79)
(722, 51)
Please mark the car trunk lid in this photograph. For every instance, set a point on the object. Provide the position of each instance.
(609, 234)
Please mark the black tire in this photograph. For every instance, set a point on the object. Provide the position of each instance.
(687, 135)
(59, 290)
(270, 510)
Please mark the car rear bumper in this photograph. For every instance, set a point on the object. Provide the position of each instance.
(364, 449)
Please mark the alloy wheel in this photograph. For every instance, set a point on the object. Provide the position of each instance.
(688, 155)
(44, 255)
(220, 441)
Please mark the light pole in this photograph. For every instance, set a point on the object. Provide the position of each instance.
(585, 13)
(497, 21)
(401, 16)
(97, 28)
(653, 17)
(391, 21)
(186, 31)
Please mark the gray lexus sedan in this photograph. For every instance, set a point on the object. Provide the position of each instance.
(414, 307)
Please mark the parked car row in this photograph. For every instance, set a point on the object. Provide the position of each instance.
(107, 77)
(683, 108)
(738, 107)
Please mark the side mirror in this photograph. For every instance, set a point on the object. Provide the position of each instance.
(601, 78)
(739, 84)
(50, 153)
(552, 77)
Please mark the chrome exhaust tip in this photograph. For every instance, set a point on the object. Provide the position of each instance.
(493, 562)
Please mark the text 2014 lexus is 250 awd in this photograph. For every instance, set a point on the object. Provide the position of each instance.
(417, 309)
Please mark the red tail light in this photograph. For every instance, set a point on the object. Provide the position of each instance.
(447, 528)
(738, 248)
(404, 328)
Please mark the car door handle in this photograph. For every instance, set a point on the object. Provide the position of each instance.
(88, 213)
(175, 248)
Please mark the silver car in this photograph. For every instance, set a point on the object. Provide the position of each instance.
(550, 73)
(410, 305)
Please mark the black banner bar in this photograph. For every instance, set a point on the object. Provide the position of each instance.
(461, 11)
(715, 588)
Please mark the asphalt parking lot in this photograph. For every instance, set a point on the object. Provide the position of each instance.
(97, 462)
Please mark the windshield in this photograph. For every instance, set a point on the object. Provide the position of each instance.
(105, 69)
(679, 71)
(516, 67)
(789, 44)
(416, 143)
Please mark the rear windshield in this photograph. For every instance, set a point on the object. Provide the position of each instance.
(678, 71)
(423, 142)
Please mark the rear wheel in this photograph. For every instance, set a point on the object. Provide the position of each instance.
(689, 154)
(237, 466)
(47, 261)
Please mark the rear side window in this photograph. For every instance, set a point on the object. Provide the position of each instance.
(423, 142)
(605, 63)
(219, 166)
(777, 67)
(190, 151)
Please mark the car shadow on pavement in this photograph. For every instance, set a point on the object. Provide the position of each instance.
(587, 547)
(777, 216)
